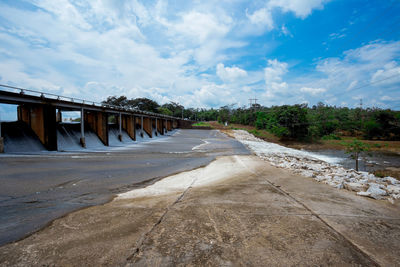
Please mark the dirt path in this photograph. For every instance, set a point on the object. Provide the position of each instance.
(261, 215)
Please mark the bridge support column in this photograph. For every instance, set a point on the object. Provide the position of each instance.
(42, 120)
(169, 125)
(159, 126)
(98, 121)
(154, 126)
(120, 128)
(128, 124)
(141, 126)
(59, 116)
(82, 139)
(147, 126)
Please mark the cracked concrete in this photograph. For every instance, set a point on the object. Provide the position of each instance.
(260, 216)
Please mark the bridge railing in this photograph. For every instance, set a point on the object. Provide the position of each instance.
(24, 91)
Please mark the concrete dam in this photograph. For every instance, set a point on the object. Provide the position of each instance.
(40, 124)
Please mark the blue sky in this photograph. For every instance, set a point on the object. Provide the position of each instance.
(205, 53)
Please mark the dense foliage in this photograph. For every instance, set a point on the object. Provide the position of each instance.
(288, 121)
(301, 122)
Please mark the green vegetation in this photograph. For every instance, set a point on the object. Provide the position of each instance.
(202, 124)
(303, 123)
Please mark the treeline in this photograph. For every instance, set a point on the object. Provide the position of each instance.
(146, 104)
(299, 122)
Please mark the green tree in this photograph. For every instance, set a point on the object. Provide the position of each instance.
(355, 148)
(116, 100)
(164, 111)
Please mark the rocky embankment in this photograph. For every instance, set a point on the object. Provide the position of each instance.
(309, 165)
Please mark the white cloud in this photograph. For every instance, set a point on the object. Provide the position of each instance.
(312, 91)
(275, 70)
(302, 8)
(286, 31)
(389, 74)
(262, 17)
(200, 27)
(230, 74)
(273, 77)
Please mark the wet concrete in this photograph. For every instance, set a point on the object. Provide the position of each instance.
(37, 188)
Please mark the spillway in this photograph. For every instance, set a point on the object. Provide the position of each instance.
(18, 137)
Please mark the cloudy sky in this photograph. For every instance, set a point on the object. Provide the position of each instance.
(205, 53)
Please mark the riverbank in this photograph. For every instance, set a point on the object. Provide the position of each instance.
(375, 145)
(255, 214)
(387, 148)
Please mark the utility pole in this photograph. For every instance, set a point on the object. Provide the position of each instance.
(251, 104)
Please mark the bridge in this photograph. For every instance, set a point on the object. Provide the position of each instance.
(42, 112)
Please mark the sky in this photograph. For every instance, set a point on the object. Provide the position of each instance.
(205, 54)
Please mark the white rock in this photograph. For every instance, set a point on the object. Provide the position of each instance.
(356, 187)
(391, 180)
(321, 168)
(374, 191)
(393, 189)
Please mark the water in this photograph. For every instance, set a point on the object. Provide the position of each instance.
(18, 137)
(372, 162)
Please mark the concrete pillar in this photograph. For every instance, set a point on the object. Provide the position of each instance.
(165, 126)
(155, 126)
(59, 116)
(128, 124)
(42, 120)
(98, 122)
(82, 139)
(120, 127)
(147, 126)
(159, 126)
(141, 126)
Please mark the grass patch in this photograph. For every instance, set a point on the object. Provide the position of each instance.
(202, 124)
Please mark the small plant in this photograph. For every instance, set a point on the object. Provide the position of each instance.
(331, 137)
(254, 132)
(379, 174)
(355, 148)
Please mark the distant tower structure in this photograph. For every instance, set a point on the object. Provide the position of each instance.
(253, 103)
